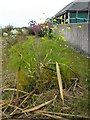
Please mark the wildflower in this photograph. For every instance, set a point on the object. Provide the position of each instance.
(54, 20)
(42, 38)
(46, 26)
(80, 26)
(52, 28)
(46, 20)
(59, 38)
(66, 20)
(64, 40)
(68, 28)
(62, 30)
(25, 67)
(62, 22)
(55, 27)
(60, 17)
(60, 45)
(62, 37)
(88, 57)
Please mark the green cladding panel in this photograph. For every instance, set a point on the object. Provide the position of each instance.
(81, 15)
(84, 15)
(73, 15)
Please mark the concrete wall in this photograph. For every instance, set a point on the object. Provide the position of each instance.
(78, 35)
(89, 39)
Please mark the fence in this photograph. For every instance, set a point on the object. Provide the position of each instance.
(79, 20)
(78, 35)
(72, 20)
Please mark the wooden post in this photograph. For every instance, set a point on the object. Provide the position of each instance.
(88, 12)
(68, 17)
(64, 18)
(76, 16)
(88, 17)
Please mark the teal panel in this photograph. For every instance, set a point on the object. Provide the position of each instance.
(79, 21)
(73, 21)
(72, 14)
(82, 14)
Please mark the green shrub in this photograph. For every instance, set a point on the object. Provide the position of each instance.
(37, 57)
(7, 29)
(30, 31)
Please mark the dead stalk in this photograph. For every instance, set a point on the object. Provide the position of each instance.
(39, 106)
(63, 114)
(60, 82)
(52, 116)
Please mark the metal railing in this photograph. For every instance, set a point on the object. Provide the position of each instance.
(72, 20)
(76, 20)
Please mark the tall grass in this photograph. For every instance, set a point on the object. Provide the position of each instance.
(37, 57)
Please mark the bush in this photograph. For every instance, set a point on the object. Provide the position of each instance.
(30, 31)
(40, 30)
(7, 29)
(36, 58)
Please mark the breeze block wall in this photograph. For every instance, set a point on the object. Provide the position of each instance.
(78, 35)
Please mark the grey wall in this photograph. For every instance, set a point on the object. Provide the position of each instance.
(89, 39)
(78, 37)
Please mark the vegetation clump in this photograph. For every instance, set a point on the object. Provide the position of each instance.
(33, 61)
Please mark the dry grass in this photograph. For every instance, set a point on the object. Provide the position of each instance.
(16, 109)
(50, 102)
(60, 82)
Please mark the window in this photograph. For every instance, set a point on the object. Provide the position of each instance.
(73, 17)
(73, 14)
(82, 16)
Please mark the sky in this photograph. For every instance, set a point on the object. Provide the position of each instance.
(19, 12)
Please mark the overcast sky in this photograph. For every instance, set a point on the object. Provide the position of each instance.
(19, 12)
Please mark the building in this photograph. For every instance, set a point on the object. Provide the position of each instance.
(77, 11)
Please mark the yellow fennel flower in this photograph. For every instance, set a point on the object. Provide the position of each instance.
(68, 28)
(42, 38)
(52, 28)
(54, 20)
(46, 26)
(80, 26)
(61, 17)
(66, 20)
(62, 23)
(62, 30)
